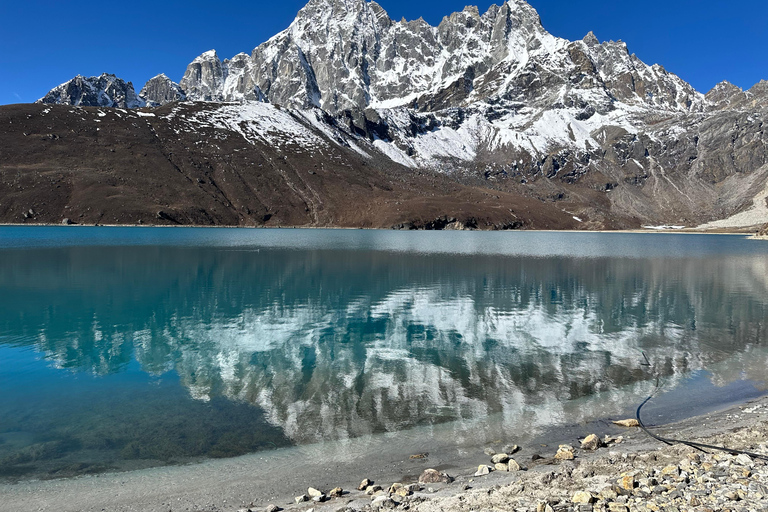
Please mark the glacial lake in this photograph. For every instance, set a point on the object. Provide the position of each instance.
(128, 348)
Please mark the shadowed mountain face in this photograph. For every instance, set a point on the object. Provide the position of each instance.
(545, 132)
(326, 344)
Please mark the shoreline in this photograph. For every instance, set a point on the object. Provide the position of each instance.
(749, 231)
(259, 480)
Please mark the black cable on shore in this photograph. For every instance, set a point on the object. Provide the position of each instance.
(693, 444)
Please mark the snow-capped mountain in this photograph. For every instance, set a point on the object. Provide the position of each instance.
(96, 91)
(493, 100)
(348, 54)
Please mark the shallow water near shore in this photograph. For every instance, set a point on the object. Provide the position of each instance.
(129, 348)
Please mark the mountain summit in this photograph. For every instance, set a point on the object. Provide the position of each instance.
(97, 91)
(349, 54)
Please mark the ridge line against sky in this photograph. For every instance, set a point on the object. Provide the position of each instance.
(44, 43)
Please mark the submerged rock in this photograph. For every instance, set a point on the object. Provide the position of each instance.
(433, 476)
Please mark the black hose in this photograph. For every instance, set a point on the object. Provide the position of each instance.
(692, 444)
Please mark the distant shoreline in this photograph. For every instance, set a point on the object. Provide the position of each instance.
(751, 231)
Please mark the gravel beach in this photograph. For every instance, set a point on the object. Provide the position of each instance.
(634, 472)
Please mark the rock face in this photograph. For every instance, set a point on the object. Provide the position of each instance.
(161, 90)
(209, 79)
(96, 91)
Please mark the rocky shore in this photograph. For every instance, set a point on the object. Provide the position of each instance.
(613, 474)
(623, 472)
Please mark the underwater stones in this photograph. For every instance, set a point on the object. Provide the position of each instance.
(433, 476)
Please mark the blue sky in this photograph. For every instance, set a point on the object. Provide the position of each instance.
(44, 43)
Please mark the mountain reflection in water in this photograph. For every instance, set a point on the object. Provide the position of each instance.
(319, 344)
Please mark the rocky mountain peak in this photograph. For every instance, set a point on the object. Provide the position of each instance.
(591, 39)
(349, 55)
(105, 90)
(204, 78)
(726, 95)
(160, 90)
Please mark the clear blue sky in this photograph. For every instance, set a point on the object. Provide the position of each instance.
(46, 42)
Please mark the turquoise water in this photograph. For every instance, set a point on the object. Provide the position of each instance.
(124, 348)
